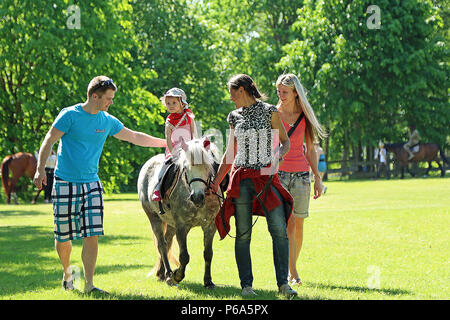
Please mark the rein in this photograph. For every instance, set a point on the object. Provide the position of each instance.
(222, 215)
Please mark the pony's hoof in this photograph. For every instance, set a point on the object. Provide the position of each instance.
(178, 276)
(171, 282)
(210, 285)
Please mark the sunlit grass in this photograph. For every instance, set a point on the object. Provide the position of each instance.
(385, 239)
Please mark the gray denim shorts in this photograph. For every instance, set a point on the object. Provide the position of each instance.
(299, 186)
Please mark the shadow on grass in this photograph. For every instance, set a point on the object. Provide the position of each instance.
(219, 293)
(24, 264)
(393, 292)
(15, 212)
(130, 198)
(28, 261)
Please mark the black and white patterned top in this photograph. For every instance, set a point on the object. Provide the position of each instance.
(254, 134)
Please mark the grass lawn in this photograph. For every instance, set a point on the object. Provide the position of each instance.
(384, 239)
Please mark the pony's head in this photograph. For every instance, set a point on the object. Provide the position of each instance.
(195, 159)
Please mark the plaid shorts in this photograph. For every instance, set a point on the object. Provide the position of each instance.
(77, 209)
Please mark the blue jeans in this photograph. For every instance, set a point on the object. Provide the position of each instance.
(276, 223)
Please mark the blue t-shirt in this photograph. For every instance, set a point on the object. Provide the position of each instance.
(81, 145)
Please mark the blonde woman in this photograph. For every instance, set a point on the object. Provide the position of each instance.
(294, 171)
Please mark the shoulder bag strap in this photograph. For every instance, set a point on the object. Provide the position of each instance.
(291, 130)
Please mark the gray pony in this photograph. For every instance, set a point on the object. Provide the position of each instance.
(188, 206)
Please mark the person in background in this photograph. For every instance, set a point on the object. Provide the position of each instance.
(49, 172)
(414, 139)
(322, 165)
(381, 154)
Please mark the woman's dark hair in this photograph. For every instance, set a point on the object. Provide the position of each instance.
(246, 82)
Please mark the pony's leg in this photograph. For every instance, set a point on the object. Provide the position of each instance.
(8, 196)
(158, 231)
(14, 195)
(208, 236)
(12, 189)
(440, 167)
(36, 197)
(410, 171)
(179, 273)
(428, 169)
(169, 234)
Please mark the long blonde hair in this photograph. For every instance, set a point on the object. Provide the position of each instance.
(313, 125)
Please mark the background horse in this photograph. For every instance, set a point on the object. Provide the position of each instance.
(189, 206)
(21, 163)
(427, 152)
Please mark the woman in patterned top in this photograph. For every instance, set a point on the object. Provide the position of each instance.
(250, 152)
(180, 125)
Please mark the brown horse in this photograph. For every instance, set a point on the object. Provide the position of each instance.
(427, 152)
(21, 163)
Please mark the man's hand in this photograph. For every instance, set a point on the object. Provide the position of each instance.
(40, 178)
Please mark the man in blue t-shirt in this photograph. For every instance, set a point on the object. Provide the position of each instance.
(77, 190)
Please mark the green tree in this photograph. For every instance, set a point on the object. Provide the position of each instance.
(367, 83)
(49, 53)
(180, 47)
(250, 35)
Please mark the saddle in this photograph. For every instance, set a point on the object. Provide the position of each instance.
(168, 182)
(414, 148)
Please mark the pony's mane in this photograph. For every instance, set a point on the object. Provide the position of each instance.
(195, 154)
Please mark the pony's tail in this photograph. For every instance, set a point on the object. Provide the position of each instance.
(5, 173)
(443, 155)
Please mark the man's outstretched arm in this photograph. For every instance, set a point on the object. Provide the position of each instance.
(140, 138)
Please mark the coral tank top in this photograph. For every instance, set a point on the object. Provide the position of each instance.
(295, 160)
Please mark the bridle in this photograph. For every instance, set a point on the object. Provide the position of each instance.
(189, 182)
(222, 197)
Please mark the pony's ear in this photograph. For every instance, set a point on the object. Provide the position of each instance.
(206, 143)
(183, 144)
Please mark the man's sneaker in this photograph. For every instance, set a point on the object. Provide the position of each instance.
(287, 291)
(248, 291)
(156, 196)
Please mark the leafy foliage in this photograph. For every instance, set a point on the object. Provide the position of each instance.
(365, 84)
